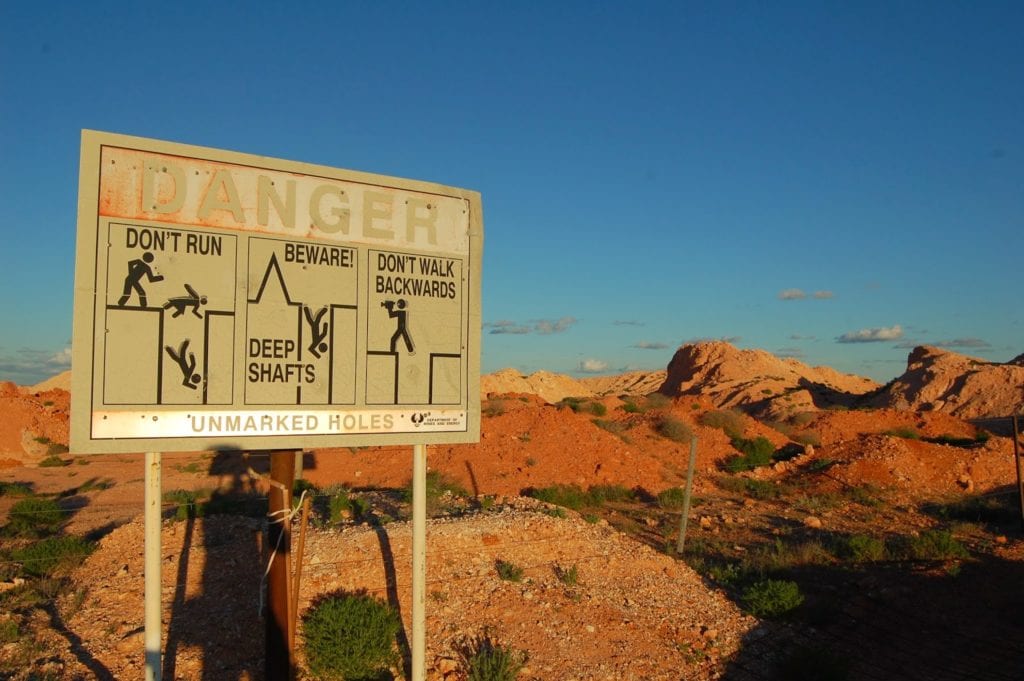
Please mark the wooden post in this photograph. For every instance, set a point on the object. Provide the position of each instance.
(278, 653)
(297, 581)
(686, 497)
(1019, 464)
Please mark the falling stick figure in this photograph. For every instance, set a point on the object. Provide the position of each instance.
(402, 330)
(188, 366)
(137, 269)
(319, 332)
(193, 300)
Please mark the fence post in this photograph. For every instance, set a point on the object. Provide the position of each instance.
(686, 497)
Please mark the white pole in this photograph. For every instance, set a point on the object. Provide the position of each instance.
(419, 562)
(152, 569)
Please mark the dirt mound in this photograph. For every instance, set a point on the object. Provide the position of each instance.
(552, 387)
(34, 425)
(631, 613)
(964, 386)
(758, 381)
(61, 381)
(635, 383)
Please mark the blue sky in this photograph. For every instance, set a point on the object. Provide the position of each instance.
(831, 181)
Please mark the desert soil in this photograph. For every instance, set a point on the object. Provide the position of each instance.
(635, 612)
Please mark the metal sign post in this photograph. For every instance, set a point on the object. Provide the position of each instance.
(152, 567)
(419, 561)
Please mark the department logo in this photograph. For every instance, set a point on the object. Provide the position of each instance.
(419, 418)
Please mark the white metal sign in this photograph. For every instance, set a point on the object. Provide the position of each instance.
(223, 299)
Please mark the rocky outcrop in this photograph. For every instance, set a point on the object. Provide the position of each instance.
(634, 383)
(549, 386)
(966, 387)
(758, 381)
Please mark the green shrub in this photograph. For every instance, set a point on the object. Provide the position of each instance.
(185, 503)
(988, 508)
(657, 401)
(53, 461)
(486, 660)
(865, 495)
(753, 453)
(631, 407)
(772, 598)
(599, 494)
(671, 428)
(568, 576)
(570, 496)
(808, 437)
(9, 631)
(597, 408)
(46, 556)
(936, 545)
(729, 421)
(863, 549)
(438, 485)
(494, 408)
(904, 432)
(14, 489)
(34, 517)
(510, 572)
(350, 636)
(672, 498)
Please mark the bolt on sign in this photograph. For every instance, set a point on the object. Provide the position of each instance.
(229, 300)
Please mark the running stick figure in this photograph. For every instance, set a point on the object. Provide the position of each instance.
(187, 366)
(137, 269)
(193, 300)
(319, 333)
(402, 330)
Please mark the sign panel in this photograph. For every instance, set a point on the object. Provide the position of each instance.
(229, 300)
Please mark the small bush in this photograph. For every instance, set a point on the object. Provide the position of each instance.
(936, 545)
(568, 576)
(510, 572)
(865, 495)
(905, 432)
(350, 636)
(756, 452)
(808, 437)
(597, 408)
(861, 548)
(486, 660)
(14, 489)
(998, 508)
(438, 485)
(671, 428)
(9, 631)
(47, 556)
(672, 498)
(631, 407)
(34, 517)
(729, 421)
(657, 401)
(772, 598)
(494, 408)
(570, 496)
(803, 418)
(599, 494)
(53, 461)
(184, 502)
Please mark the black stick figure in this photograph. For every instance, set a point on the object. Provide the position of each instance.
(319, 333)
(187, 366)
(402, 331)
(137, 269)
(193, 300)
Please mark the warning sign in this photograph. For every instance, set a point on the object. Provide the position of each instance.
(229, 300)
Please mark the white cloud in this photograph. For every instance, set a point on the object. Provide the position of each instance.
(645, 345)
(792, 294)
(506, 326)
(824, 295)
(28, 367)
(548, 326)
(627, 322)
(592, 366)
(875, 335)
(785, 353)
